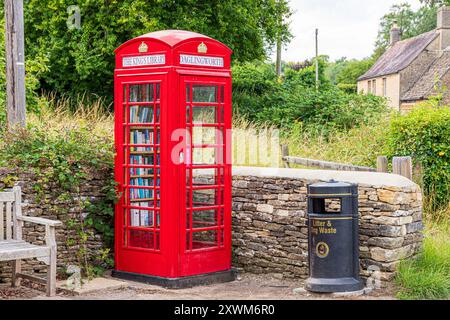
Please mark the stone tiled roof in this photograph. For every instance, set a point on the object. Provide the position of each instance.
(399, 56)
(424, 86)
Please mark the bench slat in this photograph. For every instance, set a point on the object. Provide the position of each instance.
(8, 254)
(2, 223)
(8, 221)
(12, 243)
(7, 197)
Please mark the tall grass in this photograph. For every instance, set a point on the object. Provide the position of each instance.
(61, 114)
(359, 146)
(254, 144)
(428, 275)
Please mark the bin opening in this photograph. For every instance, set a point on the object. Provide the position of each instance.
(324, 206)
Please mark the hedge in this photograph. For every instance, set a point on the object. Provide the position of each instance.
(424, 134)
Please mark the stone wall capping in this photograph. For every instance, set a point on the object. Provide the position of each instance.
(364, 179)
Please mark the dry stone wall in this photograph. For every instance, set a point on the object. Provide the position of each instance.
(270, 232)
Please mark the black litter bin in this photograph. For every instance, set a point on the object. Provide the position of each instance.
(333, 237)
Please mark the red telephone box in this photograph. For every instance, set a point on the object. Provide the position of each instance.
(173, 168)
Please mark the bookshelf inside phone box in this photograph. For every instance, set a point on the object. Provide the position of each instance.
(173, 167)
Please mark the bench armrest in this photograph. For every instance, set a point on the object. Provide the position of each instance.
(42, 221)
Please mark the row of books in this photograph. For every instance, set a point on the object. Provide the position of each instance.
(136, 194)
(143, 114)
(143, 160)
(142, 218)
(144, 93)
(145, 182)
(144, 136)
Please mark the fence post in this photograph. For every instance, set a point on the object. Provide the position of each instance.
(285, 153)
(402, 166)
(382, 164)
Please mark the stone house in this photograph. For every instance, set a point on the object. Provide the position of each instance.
(409, 71)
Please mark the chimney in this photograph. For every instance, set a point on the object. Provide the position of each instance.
(395, 33)
(443, 27)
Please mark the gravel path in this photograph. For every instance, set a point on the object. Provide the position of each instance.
(248, 287)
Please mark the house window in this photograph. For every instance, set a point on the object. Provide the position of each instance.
(369, 86)
(384, 87)
(374, 87)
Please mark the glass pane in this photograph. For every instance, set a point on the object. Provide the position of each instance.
(206, 135)
(188, 93)
(143, 239)
(143, 172)
(204, 218)
(141, 93)
(142, 218)
(205, 198)
(204, 239)
(206, 156)
(221, 217)
(204, 114)
(158, 91)
(144, 181)
(222, 94)
(141, 114)
(188, 114)
(143, 136)
(201, 93)
(141, 195)
(203, 177)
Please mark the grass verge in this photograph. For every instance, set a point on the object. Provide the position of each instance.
(428, 275)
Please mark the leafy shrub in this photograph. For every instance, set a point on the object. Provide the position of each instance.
(348, 87)
(424, 134)
(253, 84)
(259, 96)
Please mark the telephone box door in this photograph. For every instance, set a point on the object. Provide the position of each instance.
(205, 232)
(143, 244)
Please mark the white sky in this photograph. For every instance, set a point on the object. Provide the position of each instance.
(347, 28)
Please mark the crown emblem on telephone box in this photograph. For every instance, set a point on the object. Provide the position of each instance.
(202, 48)
(143, 47)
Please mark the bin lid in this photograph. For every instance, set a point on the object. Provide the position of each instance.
(332, 188)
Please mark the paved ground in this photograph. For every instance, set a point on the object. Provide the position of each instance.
(248, 287)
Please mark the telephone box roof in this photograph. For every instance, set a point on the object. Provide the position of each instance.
(172, 37)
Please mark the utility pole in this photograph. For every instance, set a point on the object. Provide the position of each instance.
(317, 59)
(279, 57)
(15, 64)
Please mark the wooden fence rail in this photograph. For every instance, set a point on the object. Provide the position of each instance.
(327, 164)
(400, 165)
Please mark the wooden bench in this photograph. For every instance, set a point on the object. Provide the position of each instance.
(13, 248)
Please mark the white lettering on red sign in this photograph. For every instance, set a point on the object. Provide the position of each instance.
(150, 60)
(201, 61)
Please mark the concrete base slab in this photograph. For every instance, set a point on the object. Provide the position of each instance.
(300, 290)
(95, 285)
(352, 293)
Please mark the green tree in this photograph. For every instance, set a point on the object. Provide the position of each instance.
(404, 16)
(412, 23)
(353, 70)
(83, 60)
(334, 68)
